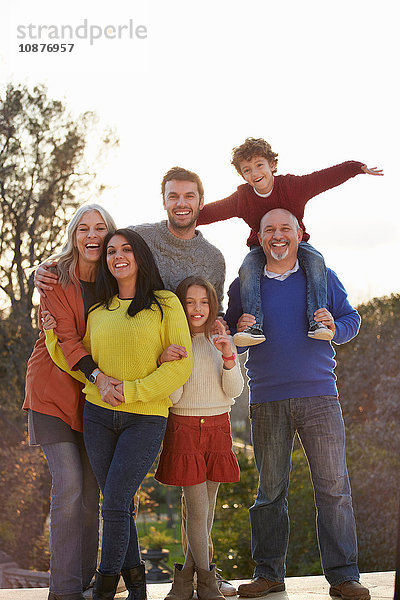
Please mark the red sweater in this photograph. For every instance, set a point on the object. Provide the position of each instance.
(290, 191)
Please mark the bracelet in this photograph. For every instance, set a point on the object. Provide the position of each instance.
(159, 363)
(227, 358)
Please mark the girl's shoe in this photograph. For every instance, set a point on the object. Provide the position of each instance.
(225, 587)
(182, 586)
(207, 586)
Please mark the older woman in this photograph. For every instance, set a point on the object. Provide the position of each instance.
(54, 402)
(124, 423)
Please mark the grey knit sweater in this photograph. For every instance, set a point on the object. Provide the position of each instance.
(177, 258)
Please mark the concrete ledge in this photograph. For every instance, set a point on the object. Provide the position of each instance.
(381, 586)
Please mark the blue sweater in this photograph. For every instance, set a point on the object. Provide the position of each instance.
(289, 364)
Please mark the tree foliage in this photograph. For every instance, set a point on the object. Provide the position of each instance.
(369, 384)
(43, 179)
(16, 341)
(24, 493)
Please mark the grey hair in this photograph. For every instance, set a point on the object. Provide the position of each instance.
(294, 219)
(67, 258)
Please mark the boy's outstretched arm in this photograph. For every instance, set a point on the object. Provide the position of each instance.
(219, 210)
(299, 189)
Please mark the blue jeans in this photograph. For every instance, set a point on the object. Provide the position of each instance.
(74, 517)
(250, 273)
(121, 447)
(319, 424)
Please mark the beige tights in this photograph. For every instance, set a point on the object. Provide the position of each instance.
(200, 505)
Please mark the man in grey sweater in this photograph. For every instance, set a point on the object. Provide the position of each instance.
(178, 248)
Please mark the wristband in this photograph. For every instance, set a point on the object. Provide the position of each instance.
(227, 358)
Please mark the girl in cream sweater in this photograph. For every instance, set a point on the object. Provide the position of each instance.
(197, 448)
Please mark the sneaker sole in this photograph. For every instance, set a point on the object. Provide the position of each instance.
(227, 593)
(242, 339)
(321, 335)
(276, 588)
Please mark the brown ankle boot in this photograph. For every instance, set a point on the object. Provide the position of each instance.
(207, 587)
(182, 586)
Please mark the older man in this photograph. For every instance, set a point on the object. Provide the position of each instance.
(293, 389)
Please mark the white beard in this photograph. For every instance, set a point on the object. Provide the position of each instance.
(277, 256)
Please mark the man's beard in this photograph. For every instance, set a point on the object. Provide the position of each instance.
(180, 226)
(277, 256)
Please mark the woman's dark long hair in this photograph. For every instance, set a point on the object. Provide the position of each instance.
(148, 277)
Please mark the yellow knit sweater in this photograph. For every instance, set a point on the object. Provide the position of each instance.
(127, 348)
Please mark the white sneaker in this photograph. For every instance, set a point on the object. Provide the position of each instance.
(226, 588)
(318, 331)
(88, 593)
(251, 336)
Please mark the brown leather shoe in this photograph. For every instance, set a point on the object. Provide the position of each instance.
(350, 590)
(259, 586)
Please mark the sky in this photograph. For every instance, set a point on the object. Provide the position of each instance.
(183, 82)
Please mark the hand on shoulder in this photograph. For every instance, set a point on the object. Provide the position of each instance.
(45, 278)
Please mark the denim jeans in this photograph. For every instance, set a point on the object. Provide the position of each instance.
(74, 517)
(121, 447)
(319, 424)
(250, 273)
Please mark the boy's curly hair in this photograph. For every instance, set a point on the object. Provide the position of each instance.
(254, 147)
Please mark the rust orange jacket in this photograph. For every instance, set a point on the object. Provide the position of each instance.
(49, 390)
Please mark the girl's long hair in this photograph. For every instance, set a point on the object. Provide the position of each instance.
(181, 292)
(148, 277)
(67, 258)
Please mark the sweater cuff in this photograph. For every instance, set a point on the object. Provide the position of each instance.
(86, 364)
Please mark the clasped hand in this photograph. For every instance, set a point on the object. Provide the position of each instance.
(111, 389)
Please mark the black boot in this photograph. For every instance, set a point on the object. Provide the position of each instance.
(135, 581)
(105, 586)
(77, 596)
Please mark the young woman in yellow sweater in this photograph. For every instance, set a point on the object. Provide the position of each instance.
(197, 448)
(124, 421)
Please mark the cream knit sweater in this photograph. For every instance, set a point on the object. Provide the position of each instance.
(210, 388)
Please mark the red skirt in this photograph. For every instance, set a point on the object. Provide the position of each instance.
(196, 449)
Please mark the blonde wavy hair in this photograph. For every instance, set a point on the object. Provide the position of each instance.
(67, 258)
